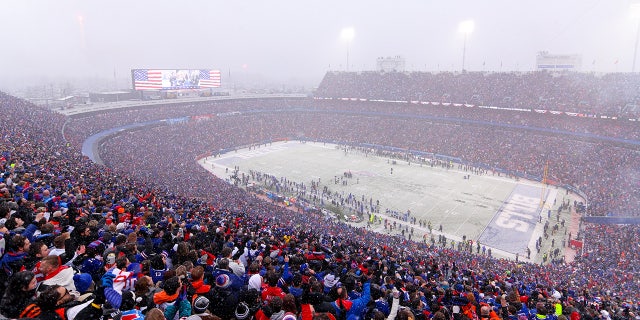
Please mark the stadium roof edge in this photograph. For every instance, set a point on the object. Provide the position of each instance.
(96, 107)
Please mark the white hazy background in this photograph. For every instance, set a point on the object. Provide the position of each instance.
(296, 42)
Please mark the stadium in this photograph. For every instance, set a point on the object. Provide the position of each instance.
(124, 180)
(320, 160)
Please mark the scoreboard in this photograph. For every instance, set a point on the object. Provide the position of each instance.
(547, 61)
(174, 79)
(390, 64)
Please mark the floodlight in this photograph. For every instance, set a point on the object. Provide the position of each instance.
(348, 34)
(466, 26)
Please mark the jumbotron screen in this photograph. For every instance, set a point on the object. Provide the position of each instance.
(174, 79)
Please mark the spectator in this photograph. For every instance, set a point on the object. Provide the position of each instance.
(170, 300)
(235, 265)
(145, 290)
(197, 282)
(200, 309)
(155, 314)
(13, 260)
(37, 251)
(272, 289)
(19, 293)
(54, 273)
(58, 243)
(352, 308)
(50, 304)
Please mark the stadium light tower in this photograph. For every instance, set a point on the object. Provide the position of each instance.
(347, 35)
(634, 10)
(83, 39)
(466, 27)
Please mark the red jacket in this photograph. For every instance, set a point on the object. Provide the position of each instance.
(200, 287)
(271, 292)
(575, 315)
(307, 313)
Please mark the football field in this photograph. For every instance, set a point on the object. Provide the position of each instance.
(503, 214)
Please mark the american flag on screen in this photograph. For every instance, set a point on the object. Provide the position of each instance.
(209, 79)
(147, 79)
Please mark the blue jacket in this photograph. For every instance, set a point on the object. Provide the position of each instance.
(358, 306)
(12, 262)
(29, 231)
(235, 282)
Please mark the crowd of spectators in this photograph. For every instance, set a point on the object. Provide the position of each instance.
(610, 94)
(614, 128)
(153, 234)
(570, 161)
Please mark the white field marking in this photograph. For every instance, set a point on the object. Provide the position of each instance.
(441, 199)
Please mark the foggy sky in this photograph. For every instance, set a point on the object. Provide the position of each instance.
(299, 41)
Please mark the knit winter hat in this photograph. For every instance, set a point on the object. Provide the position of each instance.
(201, 304)
(223, 281)
(242, 311)
(82, 282)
